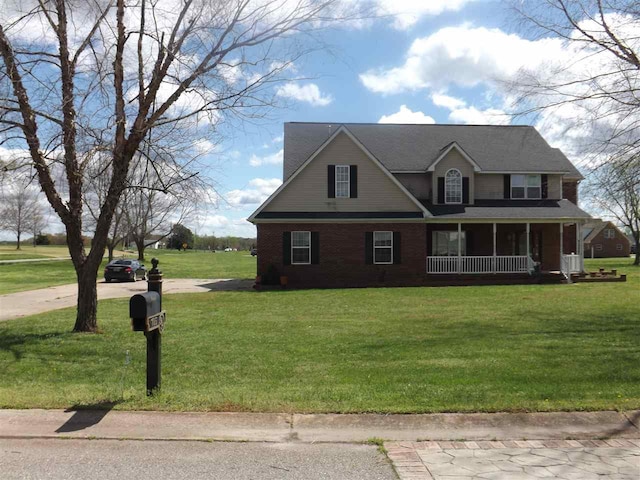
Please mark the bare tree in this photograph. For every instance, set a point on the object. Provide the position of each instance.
(84, 74)
(21, 210)
(614, 191)
(595, 90)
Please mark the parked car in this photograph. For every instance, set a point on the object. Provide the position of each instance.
(254, 252)
(122, 269)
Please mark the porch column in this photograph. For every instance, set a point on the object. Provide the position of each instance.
(528, 232)
(495, 227)
(459, 247)
(561, 243)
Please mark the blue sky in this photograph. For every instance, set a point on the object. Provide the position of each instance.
(421, 61)
(345, 97)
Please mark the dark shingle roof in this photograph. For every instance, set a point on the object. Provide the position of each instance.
(414, 147)
(509, 210)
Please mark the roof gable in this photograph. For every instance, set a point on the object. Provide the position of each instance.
(343, 130)
(445, 152)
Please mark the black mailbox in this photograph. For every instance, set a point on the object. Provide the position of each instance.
(141, 307)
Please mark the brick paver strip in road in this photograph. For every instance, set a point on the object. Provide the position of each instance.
(614, 459)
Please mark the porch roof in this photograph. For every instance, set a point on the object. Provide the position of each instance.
(509, 209)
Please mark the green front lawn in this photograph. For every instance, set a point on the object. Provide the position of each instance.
(17, 277)
(498, 348)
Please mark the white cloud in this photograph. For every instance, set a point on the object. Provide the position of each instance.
(257, 192)
(441, 100)
(463, 56)
(407, 13)
(273, 159)
(473, 116)
(222, 226)
(405, 115)
(278, 139)
(309, 93)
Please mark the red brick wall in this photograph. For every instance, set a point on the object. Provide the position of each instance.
(608, 245)
(342, 255)
(570, 191)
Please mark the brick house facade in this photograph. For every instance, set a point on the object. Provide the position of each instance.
(368, 204)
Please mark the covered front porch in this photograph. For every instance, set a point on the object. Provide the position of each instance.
(503, 248)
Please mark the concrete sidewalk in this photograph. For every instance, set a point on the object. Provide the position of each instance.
(282, 427)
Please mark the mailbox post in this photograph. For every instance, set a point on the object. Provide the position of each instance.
(145, 310)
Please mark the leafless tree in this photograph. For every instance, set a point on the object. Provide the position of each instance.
(78, 75)
(595, 90)
(614, 191)
(21, 210)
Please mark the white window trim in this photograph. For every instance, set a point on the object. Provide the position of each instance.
(525, 186)
(309, 248)
(461, 187)
(598, 246)
(348, 181)
(386, 246)
(609, 233)
(618, 246)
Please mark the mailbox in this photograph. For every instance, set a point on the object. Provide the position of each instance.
(141, 307)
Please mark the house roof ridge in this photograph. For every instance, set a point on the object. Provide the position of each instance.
(414, 124)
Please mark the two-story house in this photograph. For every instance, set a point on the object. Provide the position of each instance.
(374, 204)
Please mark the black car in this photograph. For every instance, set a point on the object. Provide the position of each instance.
(254, 252)
(131, 270)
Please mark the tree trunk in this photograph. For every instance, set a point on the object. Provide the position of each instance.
(111, 247)
(140, 245)
(87, 312)
(18, 247)
(637, 260)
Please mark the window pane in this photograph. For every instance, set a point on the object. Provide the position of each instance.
(300, 239)
(517, 180)
(300, 255)
(446, 244)
(517, 192)
(453, 187)
(382, 255)
(533, 192)
(382, 239)
(342, 181)
(533, 180)
(342, 173)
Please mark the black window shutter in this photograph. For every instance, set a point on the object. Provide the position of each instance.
(440, 189)
(315, 248)
(331, 181)
(465, 190)
(353, 181)
(507, 186)
(286, 248)
(545, 186)
(368, 248)
(396, 248)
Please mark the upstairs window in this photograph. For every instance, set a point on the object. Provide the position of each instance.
(609, 233)
(383, 247)
(453, 186)
(526, 186)
(342, 181)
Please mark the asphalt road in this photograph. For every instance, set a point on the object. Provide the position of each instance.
(109, 459)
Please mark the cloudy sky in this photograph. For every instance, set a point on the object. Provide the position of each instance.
(425, 61)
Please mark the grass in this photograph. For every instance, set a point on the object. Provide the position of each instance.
(9, 252)
(17, 277)
(403, 350)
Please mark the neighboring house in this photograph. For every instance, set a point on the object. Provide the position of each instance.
(154, 243)
(374, 204)
(603, 239)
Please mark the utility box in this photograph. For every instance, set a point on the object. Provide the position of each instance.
(142, 307)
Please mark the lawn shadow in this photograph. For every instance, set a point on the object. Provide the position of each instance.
(86, 415)
(230, 285)
(15, 343)
(632, 424)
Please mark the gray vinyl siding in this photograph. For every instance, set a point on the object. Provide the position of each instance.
(307, 192)
(419, 184)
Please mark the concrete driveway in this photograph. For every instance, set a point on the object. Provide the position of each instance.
(22, 304)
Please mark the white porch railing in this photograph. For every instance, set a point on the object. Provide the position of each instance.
(480, 264)
(570, 264)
